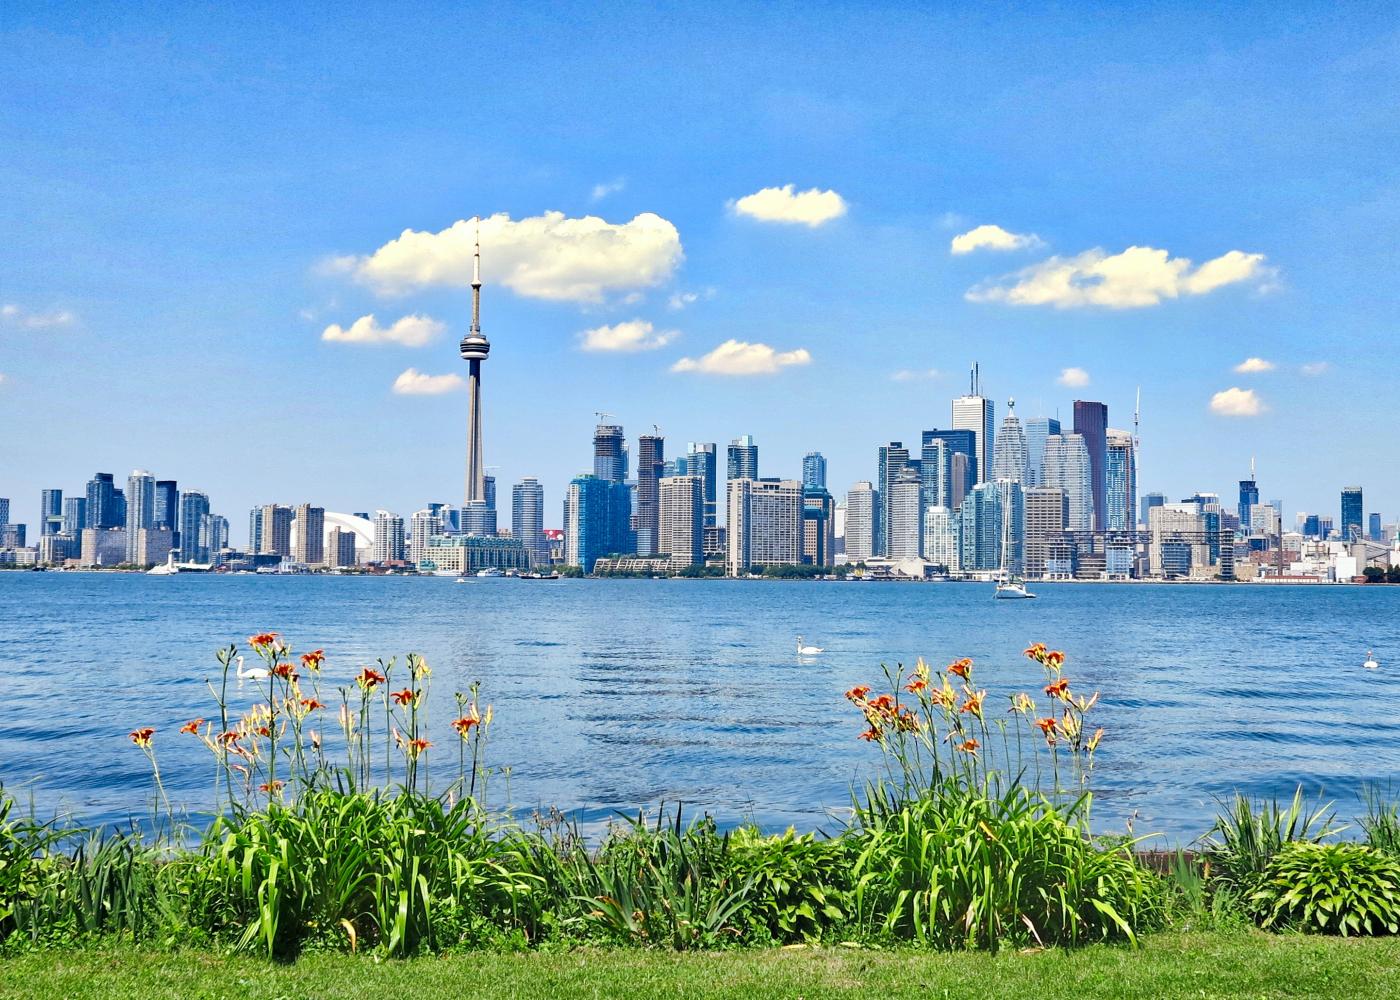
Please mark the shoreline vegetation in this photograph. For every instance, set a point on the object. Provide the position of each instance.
(350, 831)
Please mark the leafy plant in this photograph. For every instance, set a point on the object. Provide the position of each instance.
(1330, 889)
(800, 883)
(1382, 822)
(1249, 834)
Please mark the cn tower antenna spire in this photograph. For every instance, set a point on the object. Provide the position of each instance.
(476, 280)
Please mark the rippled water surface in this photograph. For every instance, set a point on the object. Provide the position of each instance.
(619, 694)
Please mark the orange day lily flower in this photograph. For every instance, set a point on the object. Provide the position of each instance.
(192, 726)
(1035, 651)
(403, 697)
(369, 679)
(960, 667)
(1058, 688)
(463, 726)
(313, 659)
(857, 693)
(142, 737)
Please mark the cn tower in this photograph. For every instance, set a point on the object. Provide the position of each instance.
(475, 348)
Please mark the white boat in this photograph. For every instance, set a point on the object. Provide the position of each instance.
(1013, 589)
(490, 572)
(1009, 587)
(460, 579)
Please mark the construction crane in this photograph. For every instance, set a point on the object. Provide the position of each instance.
(602, 416)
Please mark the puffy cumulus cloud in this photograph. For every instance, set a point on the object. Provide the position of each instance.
(634, 335)
(1133, 279)
(412, 382)
(1315, 368)
(993, 238)
(1236, 402)
(914, 374)
(738, 357)
(547, 256)
(786, 204)
(1252, 366)
(1074, 378)
(19, 316)
(411, 331)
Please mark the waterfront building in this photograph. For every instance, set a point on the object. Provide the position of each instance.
(893, 459)
(765, 523)
(103, 546)
(814, 470)
(716, 543)
(1179, 542)
(140, 511)
(974, 412)
(862, 505)
(422, 525)
(1091, 423)
(310, 525)
(935, 473)
(743, 458)
(102, 509)
(609, 453)
(1009, 456)
(1149, 501)
(388, 537)
(50, 512)
(153, 546)
(1249, 496)
(982, 519)
(12, 536)
(905, 522)
(701, 460)
(74, 516)
(1120, 482)
(167, 514)
(1068, 467)
(213, 535)
(651, 459)
(960, 455)
(682, 520)
(478, 518)
(274, 524)
(941, 539)
(194, 508)
(474, 348)
(56, 548)
(818, 527)
(4, 510)
(1037, 430)
(465, 554)
(340, 548)
(1352, 507)
(527, 519)
(586, 521)
(1047, 519)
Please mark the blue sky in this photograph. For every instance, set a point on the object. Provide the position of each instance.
(192, 198)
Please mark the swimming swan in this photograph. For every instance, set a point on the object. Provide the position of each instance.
(807, 650)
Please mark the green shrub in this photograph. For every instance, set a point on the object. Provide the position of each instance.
(1249, 834)
(1330, 889)
(800, 883)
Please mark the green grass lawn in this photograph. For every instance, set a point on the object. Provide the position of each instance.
(1234, 964)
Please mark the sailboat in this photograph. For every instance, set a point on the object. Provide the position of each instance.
(1009, 586)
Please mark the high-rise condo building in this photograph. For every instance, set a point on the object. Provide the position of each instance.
(388, 537)
(1009, 458)
(702, 460)
(682, 520)
(1047, 517)
(311, 534)
(194, 508)
(818, 526)
(1180, 541)
(340, 548)
(103, 509)
(4, 510)
(609, 453)
(862, 508)
(743, 458)
(1091, 423)
(905, 521)
(935, 473)
(474, 350)
(1351, 522)
(213, 535)
(814, 470)
(50, 512)
(765, 523)
(588, 520)
(1249, 496)
(962, 470)
(982, 521)
(941, 539)
(74, 516)
(1068, 467)
(140, 512)
(893, 459)
(168, 507)
(1374, 531)
(1150, 500)
(651, 459)
(976, 413)
(1120, 482)
(1037, 430)
(422, 525)
(527, 520)
(275, 530)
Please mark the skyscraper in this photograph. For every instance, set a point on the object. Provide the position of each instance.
(1009, 454)
(527, 520)
(587, 515)
(1120, 482)
(682, 520)
(963, 471)
(814, 469)
(862, 505)
(982, 518)
(50, 512)
(976, 413)
(4, 510)
(168, 506)
(905, 531)
(609, 453)
(743, 458)
(818, 526)
(103, 510)
(941, 538)
(765, 523)
(140, 511)
(1249, 496)
(1351, 522)
(651, 458)
(1150, 500)
(74, 516)
(893, 459)
(474, 349)
(1047, 516)
(194, 508)
(388, 537)
(1374, 531)
(311, 534)
(275, 530)
(1091, 423)
(702, 460)
(340, 548)
(1037, 430)
(1067, 467)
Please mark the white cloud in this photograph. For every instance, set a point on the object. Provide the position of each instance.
(329, 267)
(633, 335)
(914, 375)
(1137, 277)
(1074, 378)
(414, 330)
(29, 319)
(737, 357)
(545, 256)
(993, 238)
(412, 382)
(1313, 368)
(784, 204)
(1251, 366)
(601, 191)
(680, 300)
(1237, 402)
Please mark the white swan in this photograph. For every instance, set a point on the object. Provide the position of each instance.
(1370, 663)
(807, 650)
(252, 673)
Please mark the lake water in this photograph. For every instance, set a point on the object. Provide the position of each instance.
(621, 694)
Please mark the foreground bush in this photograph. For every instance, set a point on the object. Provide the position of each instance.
(1330, 889)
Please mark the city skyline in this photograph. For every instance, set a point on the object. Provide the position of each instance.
(869, 246)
